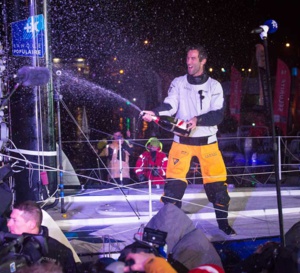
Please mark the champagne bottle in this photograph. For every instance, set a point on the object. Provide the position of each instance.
(174, 125)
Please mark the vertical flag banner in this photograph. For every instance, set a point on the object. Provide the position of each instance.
(261, 63)
(264, 98)
(235, 93)
(282, 96)
(28, 37)
(296, 104)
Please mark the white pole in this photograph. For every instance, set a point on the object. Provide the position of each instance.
(279, 158)
(120, 162)
(150, 199)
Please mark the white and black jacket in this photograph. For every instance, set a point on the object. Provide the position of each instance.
(200, 97)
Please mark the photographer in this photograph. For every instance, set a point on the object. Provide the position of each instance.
(26, 219)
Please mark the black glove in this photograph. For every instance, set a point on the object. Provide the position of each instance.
(141, 177)
(155, 172)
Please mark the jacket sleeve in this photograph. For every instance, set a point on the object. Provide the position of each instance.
(62, 255)
(163, 164)
(162, 108)
(139, 165)
(158, 265)
(127, 147)
(211, 118)
(109, 153)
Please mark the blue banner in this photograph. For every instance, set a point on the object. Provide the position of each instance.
(28, 37)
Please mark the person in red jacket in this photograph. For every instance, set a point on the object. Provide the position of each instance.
(152, 164)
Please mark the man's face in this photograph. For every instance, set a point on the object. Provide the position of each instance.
(17, 224)
(194, 65)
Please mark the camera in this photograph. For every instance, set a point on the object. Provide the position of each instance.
(17, 251)
(154, 236)
(151, 241)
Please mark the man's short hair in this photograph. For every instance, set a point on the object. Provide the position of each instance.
(202, 51)
(31, 210)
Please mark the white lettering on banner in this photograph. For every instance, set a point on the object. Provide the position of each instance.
(27, 51)
(281, 96)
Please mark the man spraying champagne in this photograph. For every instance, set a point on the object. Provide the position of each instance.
(197, 99)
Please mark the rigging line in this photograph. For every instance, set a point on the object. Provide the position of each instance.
(78, 126)
(140, 139)
(25, 160)
(233, 213)
(259, 219)
(30, 176)
(45, 202)
(37, 121)
(288, 150)
(237, 214)
(41, 131)
(102, 132)
(92, 178)
(87, 140)
(49, 168)
(134, 142)
(184, 201)
(13, 144)
(84, 135)
(93, 149)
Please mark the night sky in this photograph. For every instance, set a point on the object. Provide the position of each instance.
(96, 29)
(100, 30)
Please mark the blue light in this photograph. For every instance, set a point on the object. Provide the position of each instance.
(294, 71)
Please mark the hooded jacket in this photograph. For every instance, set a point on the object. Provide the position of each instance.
(187, 244)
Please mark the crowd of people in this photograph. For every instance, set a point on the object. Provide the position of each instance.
(29, 249)
(29, 239)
